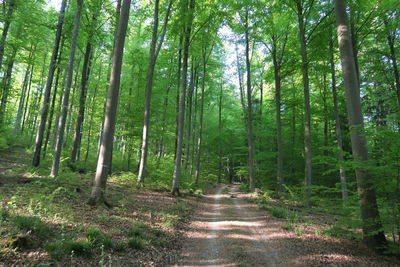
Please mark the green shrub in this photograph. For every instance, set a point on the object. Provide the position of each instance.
(98, 238)
(33, 224)
(135, 232)
(137, 243)
(62, 249)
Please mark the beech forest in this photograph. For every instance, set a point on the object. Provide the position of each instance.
(199, 133)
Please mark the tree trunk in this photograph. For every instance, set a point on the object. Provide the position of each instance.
(200, 136)
(279, 141)
(372, 226)
(53, 103)
(6, 86)
(4, 34)
(307, 109)
(64, 112)
(24, 118)
(93, 102)
(87, 63)
(189, 115)
(250, 134)
(103, 163)
(178, 92)
(17, 125)
(342, 172)
(154, 51)
(181, 121)
(220, 134)
(391, 39)
(46, 99)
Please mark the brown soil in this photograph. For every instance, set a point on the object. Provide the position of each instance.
(228, 230)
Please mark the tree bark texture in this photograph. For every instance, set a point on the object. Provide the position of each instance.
(104, 160)
(179, 146)
(46, 99)
(372, 226)
(64, 112)
(307, 108)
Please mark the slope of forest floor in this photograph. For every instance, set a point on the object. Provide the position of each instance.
(46, 222)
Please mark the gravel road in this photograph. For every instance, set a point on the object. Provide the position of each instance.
(227, 230)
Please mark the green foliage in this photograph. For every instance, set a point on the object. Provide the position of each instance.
(137, 243)
(61, 249)
(340, 232)
(33, 224)
(97, 238)
(244, 187)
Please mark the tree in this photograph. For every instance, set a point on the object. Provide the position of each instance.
(7, 23)
(86, 69)
(372, 226)
(154, 51)
(64, 113)
(182, 102)
(47, 91)
(104, 160)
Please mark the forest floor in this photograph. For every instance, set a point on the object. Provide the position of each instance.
(45, 221)
(229, 229)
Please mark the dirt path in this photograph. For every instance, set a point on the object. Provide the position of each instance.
(229, 231)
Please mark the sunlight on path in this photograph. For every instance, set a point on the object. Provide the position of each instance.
(228, 232)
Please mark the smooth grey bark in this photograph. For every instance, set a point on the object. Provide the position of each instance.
(47, 91)
(181, 121)
(307, 108)
(220, 134)
(194, 130)
(250, 134)
(64, 112)
(179, 74)
(93, 102)
(104, 160)
(37, 101)
(53, 103)
(154, 52)
(25, 83)
(7, 23)
(86, 68)
(6, 85)
(24, 117)
(193, 75)
(52, 109)
(371, 222)
(339, 145)
(201, 118)
(71, 107)
(278, 107)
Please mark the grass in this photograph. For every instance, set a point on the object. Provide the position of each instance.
(33, 224)
(63, 249)
(50, 214)
(97, 238)
(137, 243)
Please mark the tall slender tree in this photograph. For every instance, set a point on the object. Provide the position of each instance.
(372, 226)
(64, 112)
(104, 160)
(47, 91)
(154, 52)
(181, 121)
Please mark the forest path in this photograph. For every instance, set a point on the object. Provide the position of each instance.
(229, 231)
